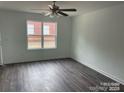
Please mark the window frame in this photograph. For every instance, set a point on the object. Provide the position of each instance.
(42, 38)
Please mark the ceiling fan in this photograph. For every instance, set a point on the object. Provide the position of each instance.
(55, 10)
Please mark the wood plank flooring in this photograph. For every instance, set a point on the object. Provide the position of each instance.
(60, 75)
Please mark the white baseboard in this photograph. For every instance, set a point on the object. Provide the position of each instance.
(103, 72)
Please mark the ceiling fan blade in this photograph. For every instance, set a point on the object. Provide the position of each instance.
(69, 10)
(64, 14)
(50, 6)
(41, 9)
(49, 13)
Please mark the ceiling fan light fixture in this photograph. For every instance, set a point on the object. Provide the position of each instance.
(51, 16)
(54, 15)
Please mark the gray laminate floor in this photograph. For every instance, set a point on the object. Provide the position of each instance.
(53, 75)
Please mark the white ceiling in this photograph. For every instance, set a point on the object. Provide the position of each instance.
(81, 6)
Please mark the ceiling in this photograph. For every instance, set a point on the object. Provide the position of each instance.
(81, 6)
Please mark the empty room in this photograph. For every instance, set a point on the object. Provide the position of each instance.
(61, 46)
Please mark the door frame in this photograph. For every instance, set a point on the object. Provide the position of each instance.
(1, 51)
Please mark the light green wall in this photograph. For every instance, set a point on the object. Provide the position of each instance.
(14, 42)
(98, 41)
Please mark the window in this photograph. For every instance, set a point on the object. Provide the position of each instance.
(41, 34)
(49, 33)
(34, 34)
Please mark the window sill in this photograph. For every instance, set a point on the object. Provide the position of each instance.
(42, 49)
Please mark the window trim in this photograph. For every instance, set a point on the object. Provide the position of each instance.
(42, 38)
